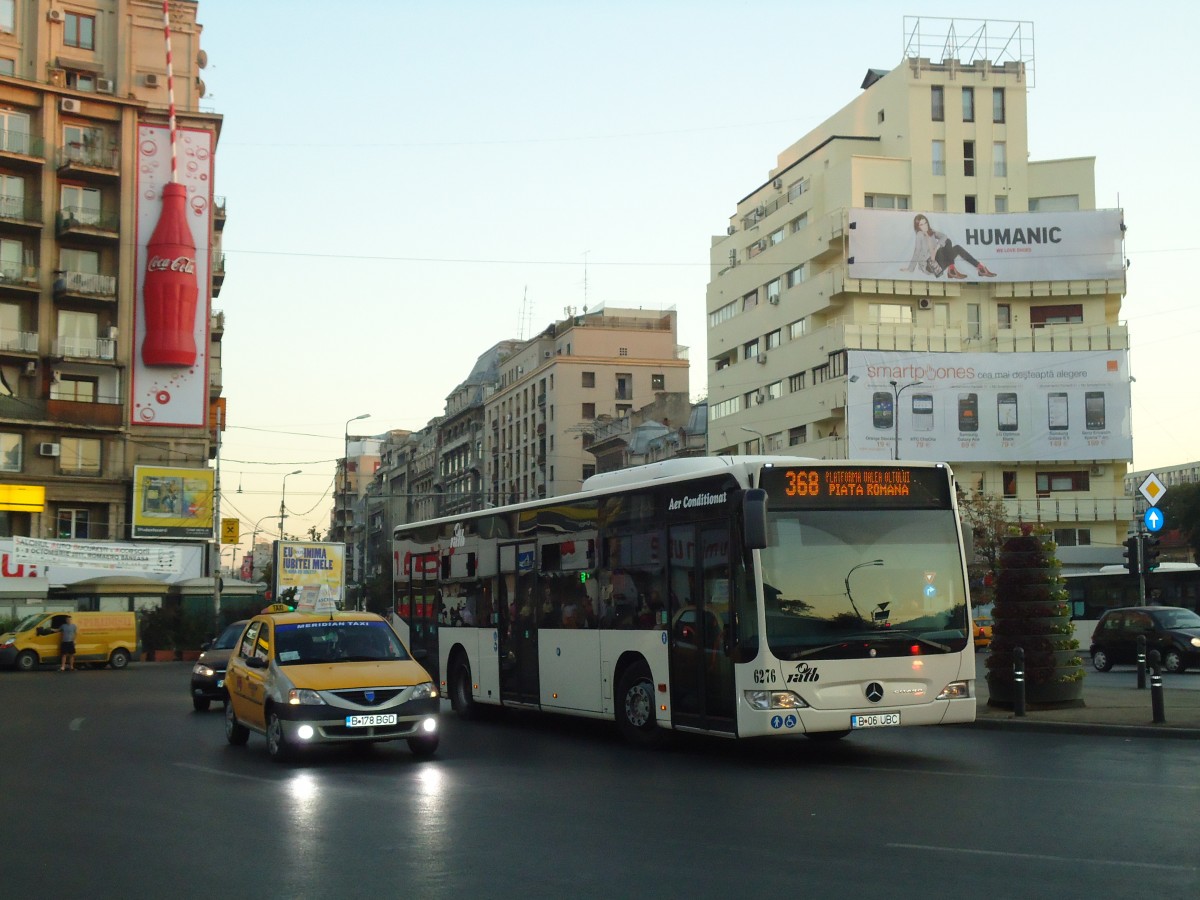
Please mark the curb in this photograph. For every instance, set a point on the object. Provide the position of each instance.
(1126, 731)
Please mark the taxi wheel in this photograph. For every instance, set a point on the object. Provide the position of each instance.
(235, 732)
(277, 746)
(423, 747)
(200, 704)
(635, 707)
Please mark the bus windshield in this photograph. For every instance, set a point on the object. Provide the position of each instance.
(841, 584)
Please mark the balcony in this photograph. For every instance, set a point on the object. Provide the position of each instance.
(218, 213)
(81, 160)
(86, 224)
(24, 408)
(218, 271)
(22, 150)
(18, 211)
(105, 413)
(20, 280)
(1073, 509)
(85, 348)
(18, 341)
(85, 286)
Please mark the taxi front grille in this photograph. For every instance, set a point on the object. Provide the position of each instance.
(368, 697)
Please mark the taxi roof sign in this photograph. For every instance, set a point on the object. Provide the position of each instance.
(277, 607)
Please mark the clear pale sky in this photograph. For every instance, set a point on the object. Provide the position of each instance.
(408, 183)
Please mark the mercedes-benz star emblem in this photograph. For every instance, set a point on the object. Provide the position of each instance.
(874, 692)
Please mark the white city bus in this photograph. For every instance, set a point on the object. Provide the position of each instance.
(737, 596)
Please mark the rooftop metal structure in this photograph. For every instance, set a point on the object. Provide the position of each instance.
(970, 40)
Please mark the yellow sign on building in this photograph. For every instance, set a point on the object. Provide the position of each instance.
(22, 497)
(230, 533)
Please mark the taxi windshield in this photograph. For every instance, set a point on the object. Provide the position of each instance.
(325, 641)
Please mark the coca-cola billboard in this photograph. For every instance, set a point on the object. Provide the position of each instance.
(174, 223)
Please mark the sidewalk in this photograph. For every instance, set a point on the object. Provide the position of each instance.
(1113, 710)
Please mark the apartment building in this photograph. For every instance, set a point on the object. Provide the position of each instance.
(842, 324)
(85, 152)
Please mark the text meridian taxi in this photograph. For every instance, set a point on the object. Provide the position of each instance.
(847, 482)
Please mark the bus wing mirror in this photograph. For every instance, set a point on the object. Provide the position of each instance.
(754, 518)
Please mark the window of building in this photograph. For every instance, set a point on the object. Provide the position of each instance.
(749, 398)
(1003, 316)
(85, 261)
(799, 222)
(941, 314)
(12, 196)
(12, 260)
(724, 408)
(725, 360)
(1062, 314)
(14, 131)
(773, 289)
(969, 204)
(1055, 482)
(968, 103)
(1073, 537)
(938, 153)
(79, 456)
(998, 105)
(939, 203)
(79, 388)
(589, 469)
(879, 117)
(1009, 479)
(724, 313)
(1000, 159)
(80, 203)
(10, 452)
(797, 275)
(8, 15)
(750, 349)
(1065, 203)
(589, 411)
(796, 382)
(8, 66)
(658, 381)
(968, 158)
(623, 409)
(798, 188)
(81, 81)
(589, 379)
(72, 523)
(775, 390)
(774, 338)
(750, 300)
(820, 374)
(79, 31)
(974, 320)
(937, 98)
(776, 236)
(837, 364)
(797, 435)
(885, 201)
(798, 329)
(889, 313)
(77, 332)
(1001, 203)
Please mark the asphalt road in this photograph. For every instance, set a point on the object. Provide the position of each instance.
(113, 786)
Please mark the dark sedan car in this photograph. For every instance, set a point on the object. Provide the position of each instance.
(208, 675)
(1171, 630)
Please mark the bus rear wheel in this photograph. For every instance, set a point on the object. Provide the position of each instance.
(635, 707)
(461, 698)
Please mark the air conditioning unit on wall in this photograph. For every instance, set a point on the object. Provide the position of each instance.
(151, 79)
(69, 105)
(924, 303)
(45, 449)
(54, 15)
(104, 86)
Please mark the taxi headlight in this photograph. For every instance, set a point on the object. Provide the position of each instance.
(202, 670)
(424, 691)
(774, 700)
(955, 690)
(304, 697)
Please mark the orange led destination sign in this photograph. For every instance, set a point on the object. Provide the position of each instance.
(832, 487)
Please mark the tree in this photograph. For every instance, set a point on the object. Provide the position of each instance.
(1181, 507)
(985, 525)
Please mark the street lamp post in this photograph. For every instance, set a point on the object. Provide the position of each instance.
(762, 441)
(896, 392)
(254, 542)
(346, 495)
(283, 499)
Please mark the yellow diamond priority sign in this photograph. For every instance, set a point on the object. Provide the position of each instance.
(1153, 489)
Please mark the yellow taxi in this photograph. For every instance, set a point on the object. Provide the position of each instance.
(301, 678)
(983, 632)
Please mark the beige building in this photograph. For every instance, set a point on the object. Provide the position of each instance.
(556, 388)
(77, 82)
(787, 322)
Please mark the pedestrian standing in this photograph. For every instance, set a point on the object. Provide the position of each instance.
(66, 653)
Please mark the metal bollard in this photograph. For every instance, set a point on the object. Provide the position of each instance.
(1156, 688)
(1141, 661)
(1019, 681)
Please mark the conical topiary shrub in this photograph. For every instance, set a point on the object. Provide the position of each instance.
(1031, 612)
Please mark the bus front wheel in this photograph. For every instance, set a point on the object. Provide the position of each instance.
(635, 707)
(461, 697)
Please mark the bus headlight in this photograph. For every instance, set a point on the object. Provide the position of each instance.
(955, 690)
(774, 700)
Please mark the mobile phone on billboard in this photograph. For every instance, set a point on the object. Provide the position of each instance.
(1006, 411)
(968, 412)
(922, 411)
(1093, 410)
(1056, 406)
(881, 410)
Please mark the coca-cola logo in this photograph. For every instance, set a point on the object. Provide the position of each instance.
(166, 264)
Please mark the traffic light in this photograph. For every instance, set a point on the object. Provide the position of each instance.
(1150, 552)
(1131, 555)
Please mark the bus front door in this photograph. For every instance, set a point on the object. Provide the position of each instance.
(518, 640)
(422, 621)
(702, 688)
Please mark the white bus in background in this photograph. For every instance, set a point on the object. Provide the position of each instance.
(737, 596)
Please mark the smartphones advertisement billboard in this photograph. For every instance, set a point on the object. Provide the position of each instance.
(988, 406)
(906, 245)
(173, 503)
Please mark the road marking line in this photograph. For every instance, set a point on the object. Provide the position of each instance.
(76, 724)
(212, 771)
(1044, 857)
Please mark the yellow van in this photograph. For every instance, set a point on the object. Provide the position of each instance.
(103, 638)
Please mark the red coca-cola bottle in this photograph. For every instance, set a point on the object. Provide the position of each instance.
(170, 290)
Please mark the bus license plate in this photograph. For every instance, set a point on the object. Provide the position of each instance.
(368, 721)
(875, 720)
